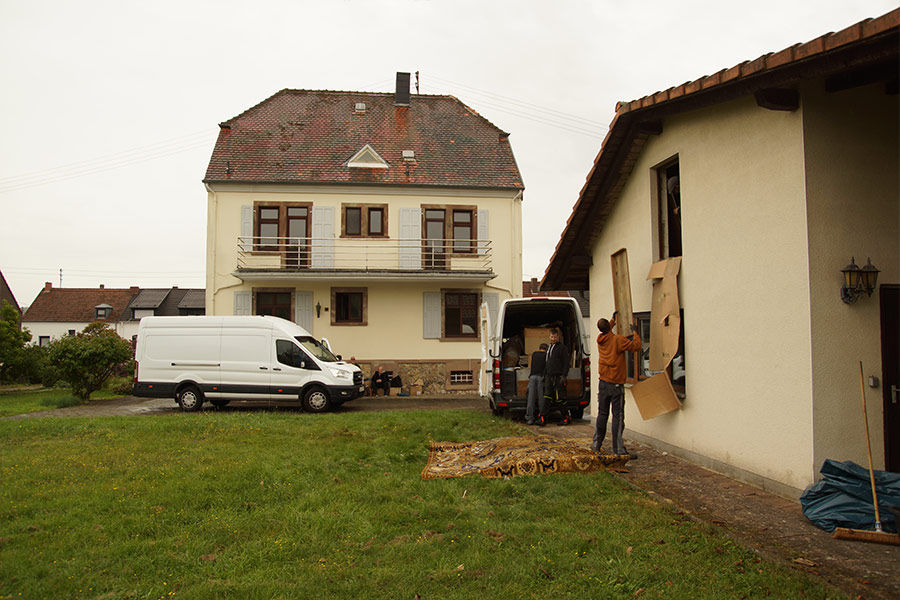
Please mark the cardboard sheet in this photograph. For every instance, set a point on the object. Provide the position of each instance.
(655, 396)
(665, 313)
(534, 337)
(622, 292)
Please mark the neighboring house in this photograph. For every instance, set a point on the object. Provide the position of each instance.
(57, 312)
(6, 294)
(380, 222)
(765, 179)
(160, 302)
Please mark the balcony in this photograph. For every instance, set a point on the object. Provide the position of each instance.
(387, 259)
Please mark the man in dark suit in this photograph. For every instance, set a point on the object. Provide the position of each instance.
(555, 373)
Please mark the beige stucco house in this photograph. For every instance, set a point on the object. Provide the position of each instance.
(380, 222)
(765, 179)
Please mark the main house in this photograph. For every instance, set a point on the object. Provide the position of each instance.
(380, 222)
(753, 192)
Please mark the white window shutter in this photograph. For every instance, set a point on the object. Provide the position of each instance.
(431, 309)
(492, 299)
(410, 238)
(243, 303)
(246, 228)
(303, 309)
(484, 230)
(323, 237)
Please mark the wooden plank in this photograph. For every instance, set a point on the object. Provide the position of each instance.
(622, 292)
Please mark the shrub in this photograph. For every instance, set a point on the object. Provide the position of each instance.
(88, 359)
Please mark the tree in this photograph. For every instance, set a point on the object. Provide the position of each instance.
(88, 359)
(12, 338)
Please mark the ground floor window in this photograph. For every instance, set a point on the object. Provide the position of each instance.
(461, 314)
(461, 378)
(640, 361)
(44, 341)
(277, 304)
(349, 306)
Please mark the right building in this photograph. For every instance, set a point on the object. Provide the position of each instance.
(764, 181)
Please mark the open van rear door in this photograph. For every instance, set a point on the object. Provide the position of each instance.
(487, 362)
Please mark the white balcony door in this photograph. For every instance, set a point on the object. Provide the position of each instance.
(410, 236)
(323, 237)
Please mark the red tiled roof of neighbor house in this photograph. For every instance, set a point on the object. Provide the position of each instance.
(308, 136)
(861, 53)
(77, 305)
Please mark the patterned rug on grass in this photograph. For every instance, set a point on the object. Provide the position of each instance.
(511, 456)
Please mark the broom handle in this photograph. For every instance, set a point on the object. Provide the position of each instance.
(862, 389)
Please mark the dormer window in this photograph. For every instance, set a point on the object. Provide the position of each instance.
(103, 311)
(360, 107)
(367, 158)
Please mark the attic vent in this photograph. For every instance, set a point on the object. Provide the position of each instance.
(360, 107)
(409, 155)
(367, 158)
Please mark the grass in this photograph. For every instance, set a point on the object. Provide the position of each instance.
(18, 403)
(274, 505)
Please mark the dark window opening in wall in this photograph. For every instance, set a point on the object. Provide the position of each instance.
(460, 315)
(462, 231)
(376, 221)
(348, 306)
(669, 210)
(267, 228)
(353, 220)
(277, 304)
(676, 368)
(43, 341)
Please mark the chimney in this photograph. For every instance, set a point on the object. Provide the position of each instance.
(102, 286)
(535, 286)
(134, 289)
(47, 286)
(401, 98)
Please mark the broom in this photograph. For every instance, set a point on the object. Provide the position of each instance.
(879, 536)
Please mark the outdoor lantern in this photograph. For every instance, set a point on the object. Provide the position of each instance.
(318, 309)
(858, 281)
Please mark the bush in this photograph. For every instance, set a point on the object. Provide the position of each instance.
(88, 359)
(120, 386)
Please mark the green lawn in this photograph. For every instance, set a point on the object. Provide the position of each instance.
(17, 403)
(274, 505)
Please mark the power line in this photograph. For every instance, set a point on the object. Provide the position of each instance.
(105, 163)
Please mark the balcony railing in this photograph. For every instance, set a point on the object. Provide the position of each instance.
(389, 255)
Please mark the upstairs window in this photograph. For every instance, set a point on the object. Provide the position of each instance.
(364, 220)
(463, 221)
(267, 227)
(668, 210)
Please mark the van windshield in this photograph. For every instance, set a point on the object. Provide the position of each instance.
(319, 351)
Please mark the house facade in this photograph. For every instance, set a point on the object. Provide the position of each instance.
(58, 312)
(759, 183)
(380, 222)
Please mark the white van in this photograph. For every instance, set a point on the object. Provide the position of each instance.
(193, 359)
(522, 323)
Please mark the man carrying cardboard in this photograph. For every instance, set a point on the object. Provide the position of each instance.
(611, 369)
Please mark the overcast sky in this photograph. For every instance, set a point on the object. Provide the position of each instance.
(110, 109)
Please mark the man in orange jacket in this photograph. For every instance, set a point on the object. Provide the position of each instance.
(611, 369)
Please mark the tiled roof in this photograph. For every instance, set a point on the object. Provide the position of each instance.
(861, 53)
(193, 299)
(76, 305)
(166, 302)
(308, 136)
(6, 293)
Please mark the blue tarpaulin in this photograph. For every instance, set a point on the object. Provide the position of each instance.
(843, 498)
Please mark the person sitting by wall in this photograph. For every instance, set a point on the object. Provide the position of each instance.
(381, 381)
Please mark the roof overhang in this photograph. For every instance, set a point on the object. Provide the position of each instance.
(861, 54)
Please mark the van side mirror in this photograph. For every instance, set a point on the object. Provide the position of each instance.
(339, 357)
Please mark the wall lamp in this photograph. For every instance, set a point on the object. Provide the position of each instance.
(319, 308)
(858, 281)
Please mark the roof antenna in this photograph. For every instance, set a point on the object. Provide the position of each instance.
(60, 278)
(417, 82)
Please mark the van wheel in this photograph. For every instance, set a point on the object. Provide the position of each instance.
(577, 413)
(219, 402)
(190, 398)
(316, 400)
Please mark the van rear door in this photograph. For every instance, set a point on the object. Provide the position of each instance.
(487, 362)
